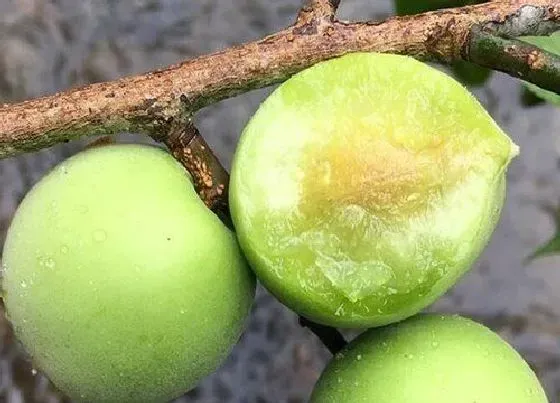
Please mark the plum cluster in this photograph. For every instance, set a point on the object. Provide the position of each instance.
(361, 190)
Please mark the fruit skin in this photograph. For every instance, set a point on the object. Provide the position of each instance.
(120, 283)
(365, 186)
(428, 359)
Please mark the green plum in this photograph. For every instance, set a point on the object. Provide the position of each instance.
(429, 359)
(119, 282)
(365, 186)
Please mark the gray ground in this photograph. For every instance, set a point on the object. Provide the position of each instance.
(48, 45)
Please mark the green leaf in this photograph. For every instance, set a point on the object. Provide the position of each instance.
(411, 7)
(529, 99)
(552, 246)
(551, 44)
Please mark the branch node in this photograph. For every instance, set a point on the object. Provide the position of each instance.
(210, 178)
(516, 58)
(528, 20)
(314, 14)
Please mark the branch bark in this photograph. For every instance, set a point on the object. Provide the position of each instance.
(317, 10)
(517, 59)
(151, 103)
(211, 180)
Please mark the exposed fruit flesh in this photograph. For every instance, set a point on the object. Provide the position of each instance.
(365, 186)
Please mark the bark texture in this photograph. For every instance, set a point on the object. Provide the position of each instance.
(151, 103)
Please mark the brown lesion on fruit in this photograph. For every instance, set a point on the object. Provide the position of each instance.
(387, 179)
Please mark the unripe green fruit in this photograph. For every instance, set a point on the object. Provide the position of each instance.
(120, 283)
(429, 359)
(365, 186)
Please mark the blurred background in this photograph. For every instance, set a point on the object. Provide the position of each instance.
(51, 45)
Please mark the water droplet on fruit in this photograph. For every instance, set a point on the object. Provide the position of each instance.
(359, 357)
(64, 249)
(23, 284)
(409, 356)
(50, 263)
(182, 311)
(99, 235)
(435, 344)
(121, 373)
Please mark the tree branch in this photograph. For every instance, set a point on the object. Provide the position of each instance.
(210, 178)
(150, 103)
(316, 11)
(516, 58)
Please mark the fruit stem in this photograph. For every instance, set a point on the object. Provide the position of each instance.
(329, 336)
(211, 180)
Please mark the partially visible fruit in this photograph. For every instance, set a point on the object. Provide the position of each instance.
(365, 186)
(120, 283)
(429, 359)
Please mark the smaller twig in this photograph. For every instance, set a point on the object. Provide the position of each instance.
(316, 12)
(329, 336)
(516, 58)
(210, 178)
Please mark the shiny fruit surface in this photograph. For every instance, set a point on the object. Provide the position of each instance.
(429, 359)
(120, 283)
